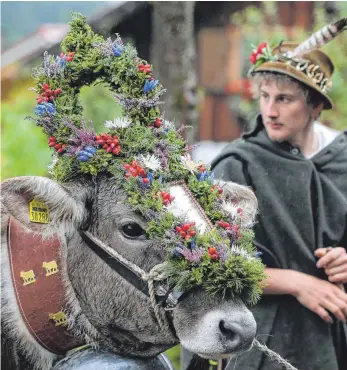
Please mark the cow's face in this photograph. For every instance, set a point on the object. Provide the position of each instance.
(117, 314)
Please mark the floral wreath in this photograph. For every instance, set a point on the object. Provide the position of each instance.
(149, 152)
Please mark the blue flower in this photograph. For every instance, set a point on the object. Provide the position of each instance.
(45, 108)
(86, 153)
(83, 158)
(61, 61)
(203, 176)
(192, 244)
(177, 252)
(150, 177)
(150, 85)
(258, 254)
(118, 50)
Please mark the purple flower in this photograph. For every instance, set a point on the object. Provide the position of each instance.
(84, 136)
(192, 256)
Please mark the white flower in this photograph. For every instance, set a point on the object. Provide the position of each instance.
(238, 251)
(168, 124)
(118, 122)
(149, 161)
(52, 165)
(189, 164)
(232, 209)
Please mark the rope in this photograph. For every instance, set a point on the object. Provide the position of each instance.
(157, 273)
(273, 355)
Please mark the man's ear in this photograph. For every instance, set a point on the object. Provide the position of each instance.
(65, 205)
(316, 111)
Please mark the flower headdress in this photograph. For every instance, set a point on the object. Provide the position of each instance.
(303, 62)
(208, 244)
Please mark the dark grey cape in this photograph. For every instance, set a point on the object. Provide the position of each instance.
(303, 206)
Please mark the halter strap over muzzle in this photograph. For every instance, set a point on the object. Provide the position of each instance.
(163, 297)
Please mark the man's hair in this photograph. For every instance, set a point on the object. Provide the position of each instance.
(313, 98)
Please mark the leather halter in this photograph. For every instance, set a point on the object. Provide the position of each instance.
(36, 271)
(167, 298)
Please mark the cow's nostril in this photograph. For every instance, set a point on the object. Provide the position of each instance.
(231, 333)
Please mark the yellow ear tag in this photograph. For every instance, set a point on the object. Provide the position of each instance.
(38, 212)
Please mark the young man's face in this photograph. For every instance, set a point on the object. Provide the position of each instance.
(285, 112)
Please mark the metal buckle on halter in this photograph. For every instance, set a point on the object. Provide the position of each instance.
(161, 293)
(171, 302)
(172, 299)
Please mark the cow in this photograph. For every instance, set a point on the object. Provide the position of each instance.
(104, 309)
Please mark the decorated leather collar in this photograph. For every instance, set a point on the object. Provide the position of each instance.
(36, 270)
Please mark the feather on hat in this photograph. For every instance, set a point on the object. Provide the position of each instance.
(303, 62)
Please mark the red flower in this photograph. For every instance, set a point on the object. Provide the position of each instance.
(261, 47)
(212, 251)
(110, 143)
(253, 58)
(187, 230)
(145, 68)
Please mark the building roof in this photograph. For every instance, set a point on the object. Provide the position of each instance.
(49, 36)
(32, 45)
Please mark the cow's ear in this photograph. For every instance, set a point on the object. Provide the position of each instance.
(42, 205)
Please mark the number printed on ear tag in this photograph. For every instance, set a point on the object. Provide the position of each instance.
(38, 212)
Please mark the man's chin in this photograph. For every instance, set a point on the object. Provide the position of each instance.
(276, 138)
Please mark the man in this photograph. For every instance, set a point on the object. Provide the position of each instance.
(298, 170)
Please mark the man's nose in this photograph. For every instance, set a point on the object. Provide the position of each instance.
(271, 110)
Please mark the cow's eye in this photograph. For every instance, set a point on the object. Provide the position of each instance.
(132, 230)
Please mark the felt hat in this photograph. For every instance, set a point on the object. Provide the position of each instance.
(304, 62)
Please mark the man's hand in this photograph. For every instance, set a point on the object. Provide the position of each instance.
(320, 296)
(334, 262)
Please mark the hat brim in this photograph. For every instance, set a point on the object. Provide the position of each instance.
(289, 70)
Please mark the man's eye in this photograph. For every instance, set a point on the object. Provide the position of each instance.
(132, 230)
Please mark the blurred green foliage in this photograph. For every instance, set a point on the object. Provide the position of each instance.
(174, 356)
(258, 24)
(24, 146)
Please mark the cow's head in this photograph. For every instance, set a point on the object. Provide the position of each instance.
(134, 193)
(105, 307)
